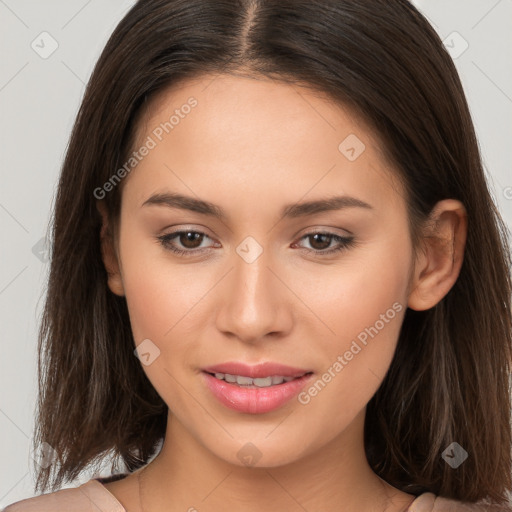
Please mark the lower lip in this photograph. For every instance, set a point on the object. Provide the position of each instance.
(254, 400)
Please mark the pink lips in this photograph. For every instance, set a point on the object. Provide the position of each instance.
(255, 400)
(255, 371)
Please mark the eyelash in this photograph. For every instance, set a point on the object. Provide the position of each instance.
(344, 243)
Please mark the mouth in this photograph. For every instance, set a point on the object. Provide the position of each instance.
(255, 371)
(257, 382)
(254, 395)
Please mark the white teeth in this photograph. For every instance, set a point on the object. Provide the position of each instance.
(242, 381)
(263, 382)
(277, 380)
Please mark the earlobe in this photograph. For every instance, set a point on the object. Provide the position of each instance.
(439, 261)
(108, 253)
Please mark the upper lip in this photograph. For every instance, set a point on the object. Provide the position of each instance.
(256, 371)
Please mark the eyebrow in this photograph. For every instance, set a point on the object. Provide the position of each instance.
(173, 200)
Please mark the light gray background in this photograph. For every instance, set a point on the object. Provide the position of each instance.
(39, 98)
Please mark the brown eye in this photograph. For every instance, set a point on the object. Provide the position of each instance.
(190, 239)
(321, 241)
(185, 243)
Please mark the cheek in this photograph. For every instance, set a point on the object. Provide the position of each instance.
(356, 361)
(161, 299)
(354, 295)
(158, 293)
(363, 304)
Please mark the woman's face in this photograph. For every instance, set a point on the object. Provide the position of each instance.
(256, 285)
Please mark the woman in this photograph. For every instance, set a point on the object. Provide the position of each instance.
(278, 279)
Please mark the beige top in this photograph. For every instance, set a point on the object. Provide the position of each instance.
(93, 496)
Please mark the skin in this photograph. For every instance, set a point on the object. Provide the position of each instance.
(252, 146)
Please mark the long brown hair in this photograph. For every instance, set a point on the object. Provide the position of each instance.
(450, 378)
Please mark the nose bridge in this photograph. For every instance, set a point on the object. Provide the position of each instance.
(253, 304)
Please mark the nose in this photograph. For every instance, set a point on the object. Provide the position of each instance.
(255, 302)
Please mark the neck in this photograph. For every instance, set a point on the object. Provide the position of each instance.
(336, 476)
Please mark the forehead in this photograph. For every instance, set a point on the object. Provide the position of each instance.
(257, 132)
(222, 97)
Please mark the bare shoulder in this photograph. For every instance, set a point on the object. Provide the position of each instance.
(126, 490)
(87, 497)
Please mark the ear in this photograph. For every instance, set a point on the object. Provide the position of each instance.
(439, 260)
(109, 253)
